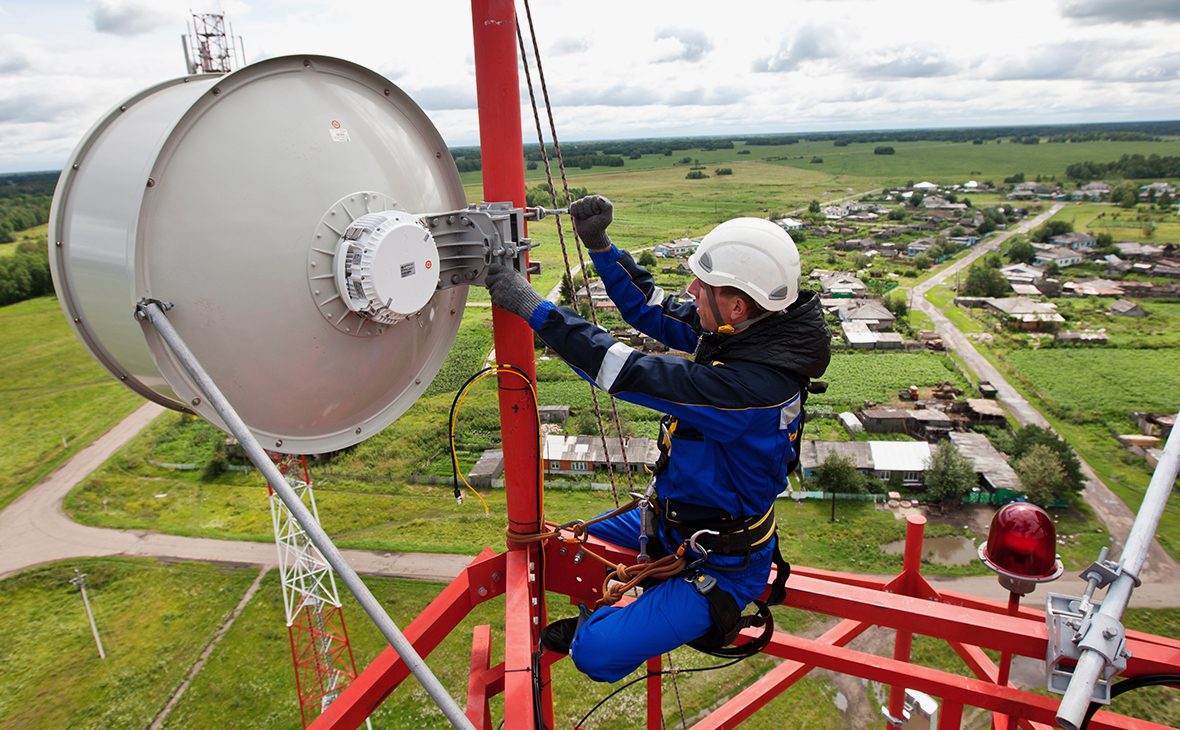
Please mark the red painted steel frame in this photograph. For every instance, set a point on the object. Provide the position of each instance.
(907, 604)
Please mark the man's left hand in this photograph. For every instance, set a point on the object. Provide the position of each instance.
(512, 292)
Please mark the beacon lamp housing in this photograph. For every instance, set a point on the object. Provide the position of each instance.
(1021, 547)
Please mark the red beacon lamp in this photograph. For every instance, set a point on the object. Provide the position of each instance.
(1022, 547)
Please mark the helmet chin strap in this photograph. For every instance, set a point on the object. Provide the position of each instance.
(722, 328)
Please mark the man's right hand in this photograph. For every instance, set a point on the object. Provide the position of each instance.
(591, 215)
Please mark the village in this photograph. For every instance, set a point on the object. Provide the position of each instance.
(868, 248)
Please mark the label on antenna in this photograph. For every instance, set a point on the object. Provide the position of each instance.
(338, 134)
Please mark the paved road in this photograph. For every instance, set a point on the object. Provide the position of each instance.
(1110, 510)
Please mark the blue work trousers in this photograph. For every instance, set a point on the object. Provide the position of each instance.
(615, 641)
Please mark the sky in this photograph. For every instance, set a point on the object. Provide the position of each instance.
(625, 69)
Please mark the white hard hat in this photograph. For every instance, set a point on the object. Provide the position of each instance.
(753, 255)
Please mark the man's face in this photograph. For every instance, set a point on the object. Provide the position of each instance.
(732, 308)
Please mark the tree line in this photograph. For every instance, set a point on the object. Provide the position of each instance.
(1130, 167)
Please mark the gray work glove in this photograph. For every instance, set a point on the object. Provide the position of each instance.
(591, 215)
(512, 292)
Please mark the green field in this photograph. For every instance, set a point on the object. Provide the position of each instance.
(1104, 379)
(877, 376)
(54, 399)
(1149, 226)
(944, 163)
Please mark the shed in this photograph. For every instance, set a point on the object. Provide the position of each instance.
(490, 466)
(991, 465)
(1126, 308)
(850, 422)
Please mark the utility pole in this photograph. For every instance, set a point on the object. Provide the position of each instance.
(80, 581)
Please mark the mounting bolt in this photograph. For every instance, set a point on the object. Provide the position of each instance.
(151, 182)
(482, 591)
(496, 577)
(1109, 632)
(278, 443)
(196, 401)
(387, 92)
(358, 430)
(216, 91)
(563, 551)
(579, 556)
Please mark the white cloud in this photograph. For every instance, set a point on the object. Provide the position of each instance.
(131, 17)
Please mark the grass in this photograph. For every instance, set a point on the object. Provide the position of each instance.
(153, 618)
(54, 399)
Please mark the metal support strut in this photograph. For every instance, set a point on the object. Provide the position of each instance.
(153, 312)
(1103, 649)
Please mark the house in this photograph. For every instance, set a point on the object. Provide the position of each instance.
(936, 205)
(1021, 273)
(680, 247)
(870, 312)
(855, 244)
(1058, 255)
(597, 292)
(583, 454)
(839, 284)
(920, 246)
(834, 212)
(1025, 313)
(1124, 308)
(862, 216)
(1134, 250)
(1075, 240)
(1156, 189)
(925, 187)
(1092, 287)
(878, 459)
(858, 335)
(789, 224)
(1096, 190)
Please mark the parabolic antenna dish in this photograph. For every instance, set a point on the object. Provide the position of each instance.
(230, 198)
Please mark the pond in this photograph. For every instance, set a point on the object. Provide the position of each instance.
(954, 550)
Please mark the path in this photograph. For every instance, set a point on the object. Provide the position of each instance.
(1108, 508)
(34, 529)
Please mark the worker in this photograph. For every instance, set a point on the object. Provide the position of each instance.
(730, 435)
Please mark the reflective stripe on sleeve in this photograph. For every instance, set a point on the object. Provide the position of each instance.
(612, 363)
(789, 413)
(656, 298)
